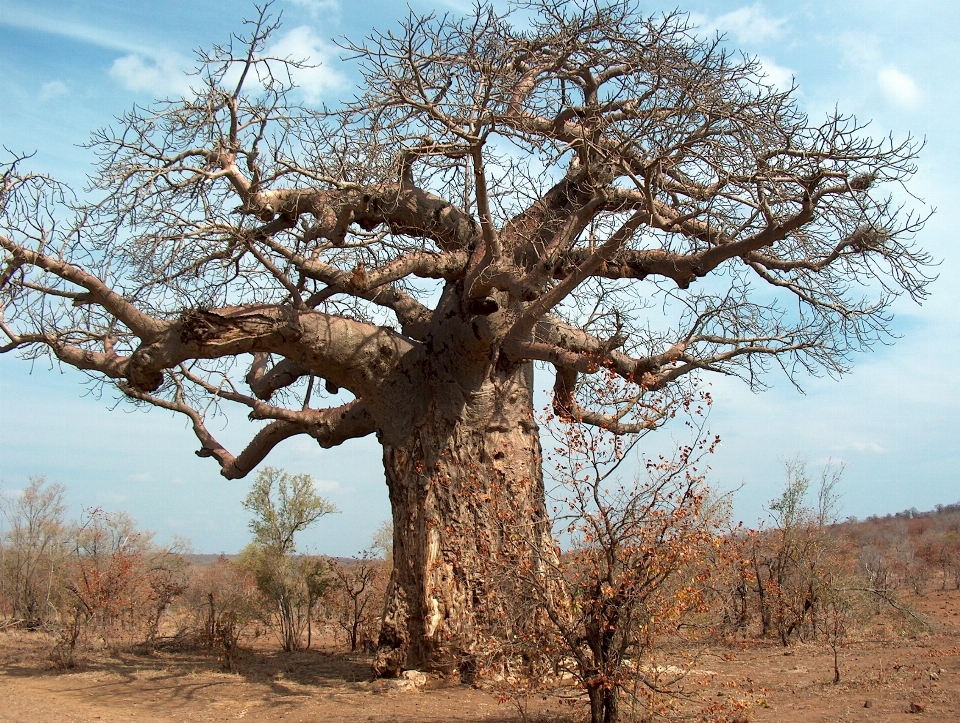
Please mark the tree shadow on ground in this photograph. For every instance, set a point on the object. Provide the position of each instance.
(155, 662)
(179, 680)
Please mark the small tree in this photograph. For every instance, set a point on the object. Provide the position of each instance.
(359, 598)
(223, 599)
(632, 576)
(790, 561)
(31, 552)
(838, 608)
(284, 505)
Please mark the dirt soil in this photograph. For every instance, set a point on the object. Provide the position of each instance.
(881, 681)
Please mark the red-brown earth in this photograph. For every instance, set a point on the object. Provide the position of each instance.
(888, 668)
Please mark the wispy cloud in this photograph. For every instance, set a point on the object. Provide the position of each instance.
(327, 485)
(318, 7)
(15, 17)
(143, 68)
(113, 498)
(157, 74)
(749, 25)
(898, 87)
(53, 89)
(861, 447)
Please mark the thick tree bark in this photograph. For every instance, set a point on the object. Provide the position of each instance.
(472, 461)
(604, 704)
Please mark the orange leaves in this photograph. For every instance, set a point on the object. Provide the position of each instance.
(120, 581)
(632, 577)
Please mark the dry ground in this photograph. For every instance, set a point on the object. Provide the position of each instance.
(318, 686)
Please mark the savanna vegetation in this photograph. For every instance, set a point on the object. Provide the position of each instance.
(101, 581)
(648, 576)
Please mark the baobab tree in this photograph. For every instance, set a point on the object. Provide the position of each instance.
(564, 188)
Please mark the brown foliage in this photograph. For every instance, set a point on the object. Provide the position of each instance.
(120, 583)
(629, 587)
(223, 601)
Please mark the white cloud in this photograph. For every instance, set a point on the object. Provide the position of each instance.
(863, 51)
(898, 87)
(316, 7)
(53, 89)
(776, 75)
(302, 43)
(158, 74)
(751, 24)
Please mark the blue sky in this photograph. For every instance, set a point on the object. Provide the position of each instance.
(68, 67)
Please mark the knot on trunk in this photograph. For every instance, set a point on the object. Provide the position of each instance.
(483, 306)
(142, 371)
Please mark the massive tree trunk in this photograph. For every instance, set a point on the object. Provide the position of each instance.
(470, 463)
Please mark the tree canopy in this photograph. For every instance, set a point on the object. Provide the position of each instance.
(283, 505)
(532, 170)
